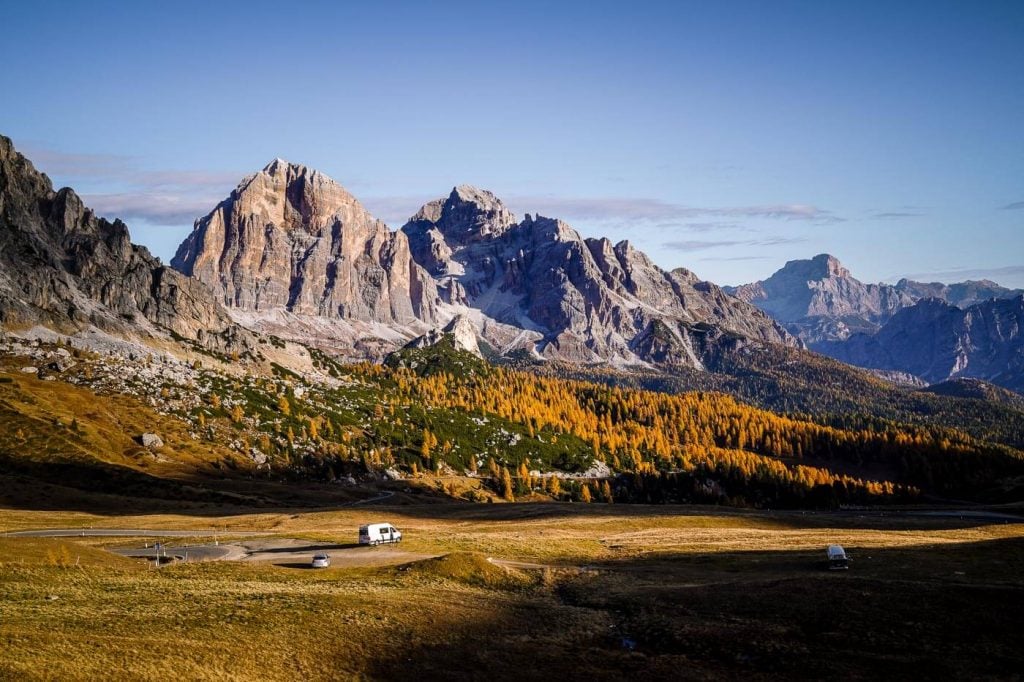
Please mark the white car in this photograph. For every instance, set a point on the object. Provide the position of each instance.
(321, 560)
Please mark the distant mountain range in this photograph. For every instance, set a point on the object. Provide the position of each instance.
(933, 331)
(819, 300)
(937, 341)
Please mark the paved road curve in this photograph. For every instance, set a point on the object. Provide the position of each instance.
(291, 552)
(122, 532)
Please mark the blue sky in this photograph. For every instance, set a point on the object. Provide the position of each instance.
(726, 137)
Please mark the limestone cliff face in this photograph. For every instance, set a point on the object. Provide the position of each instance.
(60, 265)
(290, 238)
(580, 300)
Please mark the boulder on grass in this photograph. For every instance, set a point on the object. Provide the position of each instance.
(151, 440)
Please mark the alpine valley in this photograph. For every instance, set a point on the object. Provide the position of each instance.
(298, 351)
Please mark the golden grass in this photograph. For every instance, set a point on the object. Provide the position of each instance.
(30, 410)
(698, 590)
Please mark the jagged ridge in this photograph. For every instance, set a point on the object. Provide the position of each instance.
(63, 266)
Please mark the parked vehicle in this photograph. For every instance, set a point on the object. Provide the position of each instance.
(837, 559)
(321, 560)
(377, 533)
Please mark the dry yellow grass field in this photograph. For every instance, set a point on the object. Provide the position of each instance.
(627, 591)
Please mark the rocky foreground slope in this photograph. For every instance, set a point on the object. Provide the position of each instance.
(291, 251)
(62, 266)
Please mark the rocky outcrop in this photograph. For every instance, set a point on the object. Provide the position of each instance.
(819, 300)
(60, 265)
(460, 330)
(574, 299)
(291, 239)
(937, 341)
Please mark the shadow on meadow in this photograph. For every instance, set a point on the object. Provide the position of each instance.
(928, 612)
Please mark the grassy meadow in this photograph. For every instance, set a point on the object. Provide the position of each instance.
(604, 592)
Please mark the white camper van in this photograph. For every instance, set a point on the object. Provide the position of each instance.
(376, 533)
(837, 559)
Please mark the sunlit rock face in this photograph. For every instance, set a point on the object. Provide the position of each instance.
(291, 238)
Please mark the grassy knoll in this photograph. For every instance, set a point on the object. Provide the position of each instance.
(695, 593)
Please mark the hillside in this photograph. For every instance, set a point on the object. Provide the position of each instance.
(506, 432)
(937, 341)
(792, 381)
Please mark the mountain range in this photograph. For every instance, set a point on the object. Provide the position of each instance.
(819, 300)
(235, 352)
(931, 331)
(291, 253)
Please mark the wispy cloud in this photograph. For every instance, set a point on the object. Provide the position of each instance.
(702, 245)
(959, 274)
(79, 165)
(710, 259)
(699, 244)
(621, 211)
(1015, 206)
(895, 215)
(713, 226)
(159, 209)
(396, 210)
(634, 210)
(161, 197)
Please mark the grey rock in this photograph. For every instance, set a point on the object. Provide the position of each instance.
(573, 299)
(151, 440)
(462, 332)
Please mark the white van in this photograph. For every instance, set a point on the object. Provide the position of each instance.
(837, 559)
(376, 533)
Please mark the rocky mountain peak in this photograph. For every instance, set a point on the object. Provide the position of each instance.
(820, 301)
(471, 213)
(290, 238)
(461, 331)
(823, 266)
(293, 196)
